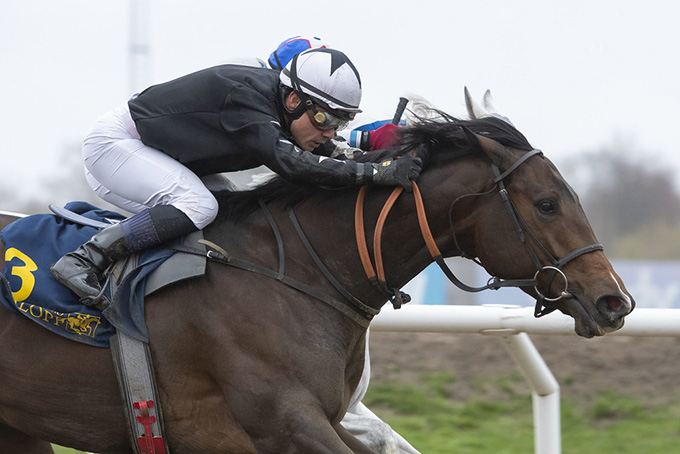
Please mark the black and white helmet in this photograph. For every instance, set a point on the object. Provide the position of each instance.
(326, 76)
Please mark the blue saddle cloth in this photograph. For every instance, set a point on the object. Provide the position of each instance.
(33, 244)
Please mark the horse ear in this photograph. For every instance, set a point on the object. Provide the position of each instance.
(486, 109)
(474, 109)
(496, 152)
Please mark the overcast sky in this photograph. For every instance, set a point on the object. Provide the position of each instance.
(572, 75)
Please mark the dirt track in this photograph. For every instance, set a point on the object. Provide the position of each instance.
(647, 368)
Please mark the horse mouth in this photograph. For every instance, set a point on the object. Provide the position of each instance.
(605, 316)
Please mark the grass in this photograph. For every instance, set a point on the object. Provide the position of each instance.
(62, 450)
(435, 424)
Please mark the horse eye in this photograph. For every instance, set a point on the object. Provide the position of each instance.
(547, 206)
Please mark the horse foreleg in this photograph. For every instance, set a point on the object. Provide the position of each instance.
(315, 437)
(354, 443)
(300, 427)
(13, 441)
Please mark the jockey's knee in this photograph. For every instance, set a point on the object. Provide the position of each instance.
(200, 207)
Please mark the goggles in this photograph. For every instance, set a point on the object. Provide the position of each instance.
(325, 120)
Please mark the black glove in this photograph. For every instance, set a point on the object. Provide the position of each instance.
(400, 171)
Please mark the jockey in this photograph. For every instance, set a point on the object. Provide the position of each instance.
(148, 155)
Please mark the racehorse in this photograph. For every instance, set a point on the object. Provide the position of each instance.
(248, 363)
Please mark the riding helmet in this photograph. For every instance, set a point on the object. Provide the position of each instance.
(328, 77)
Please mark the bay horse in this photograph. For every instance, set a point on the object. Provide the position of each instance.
(247, 363)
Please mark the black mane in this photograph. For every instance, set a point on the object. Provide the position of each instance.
(447, 133)
(442, 134)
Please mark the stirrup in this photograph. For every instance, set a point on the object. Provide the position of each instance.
(100, 301)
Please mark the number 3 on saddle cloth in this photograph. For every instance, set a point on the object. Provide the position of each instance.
(34, 243)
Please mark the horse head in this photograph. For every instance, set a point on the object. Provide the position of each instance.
(511, 210)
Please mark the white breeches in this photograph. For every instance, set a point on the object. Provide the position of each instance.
(132, 176)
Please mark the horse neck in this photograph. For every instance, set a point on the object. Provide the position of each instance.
(329, 225)
(453, 200)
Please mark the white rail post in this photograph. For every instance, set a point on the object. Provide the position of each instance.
(545, 390)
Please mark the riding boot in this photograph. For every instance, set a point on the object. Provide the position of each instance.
(79, 270)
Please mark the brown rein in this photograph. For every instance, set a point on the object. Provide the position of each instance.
(378, 277)
(377, 237)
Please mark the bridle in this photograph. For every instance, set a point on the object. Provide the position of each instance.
(397, 297)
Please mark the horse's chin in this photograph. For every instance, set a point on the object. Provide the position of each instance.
(587, 324)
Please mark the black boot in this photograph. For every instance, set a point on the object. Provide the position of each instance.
(79, 270)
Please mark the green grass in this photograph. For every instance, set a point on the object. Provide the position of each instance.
(435, 424)
(62, 450)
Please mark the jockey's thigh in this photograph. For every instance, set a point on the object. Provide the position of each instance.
(114, 199)
(128, 174)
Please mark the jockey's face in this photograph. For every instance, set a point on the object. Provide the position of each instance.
(305, 134)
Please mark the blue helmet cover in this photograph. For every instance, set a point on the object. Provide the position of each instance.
(291, 47)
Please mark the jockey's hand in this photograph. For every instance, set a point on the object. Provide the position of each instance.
(400, 171)
(384, 136)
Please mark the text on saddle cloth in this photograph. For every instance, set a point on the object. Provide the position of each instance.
(28, 288)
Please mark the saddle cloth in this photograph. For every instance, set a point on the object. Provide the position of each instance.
(34, 243)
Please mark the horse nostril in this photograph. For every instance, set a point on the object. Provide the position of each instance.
(612, 305)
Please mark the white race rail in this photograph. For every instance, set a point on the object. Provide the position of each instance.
(511, 324)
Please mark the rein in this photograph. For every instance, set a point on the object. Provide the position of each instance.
(378, 278)
(397, 297)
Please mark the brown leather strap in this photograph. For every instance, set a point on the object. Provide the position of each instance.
(424, 227)
(377, 236)
(361, 234)
(379, 280)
